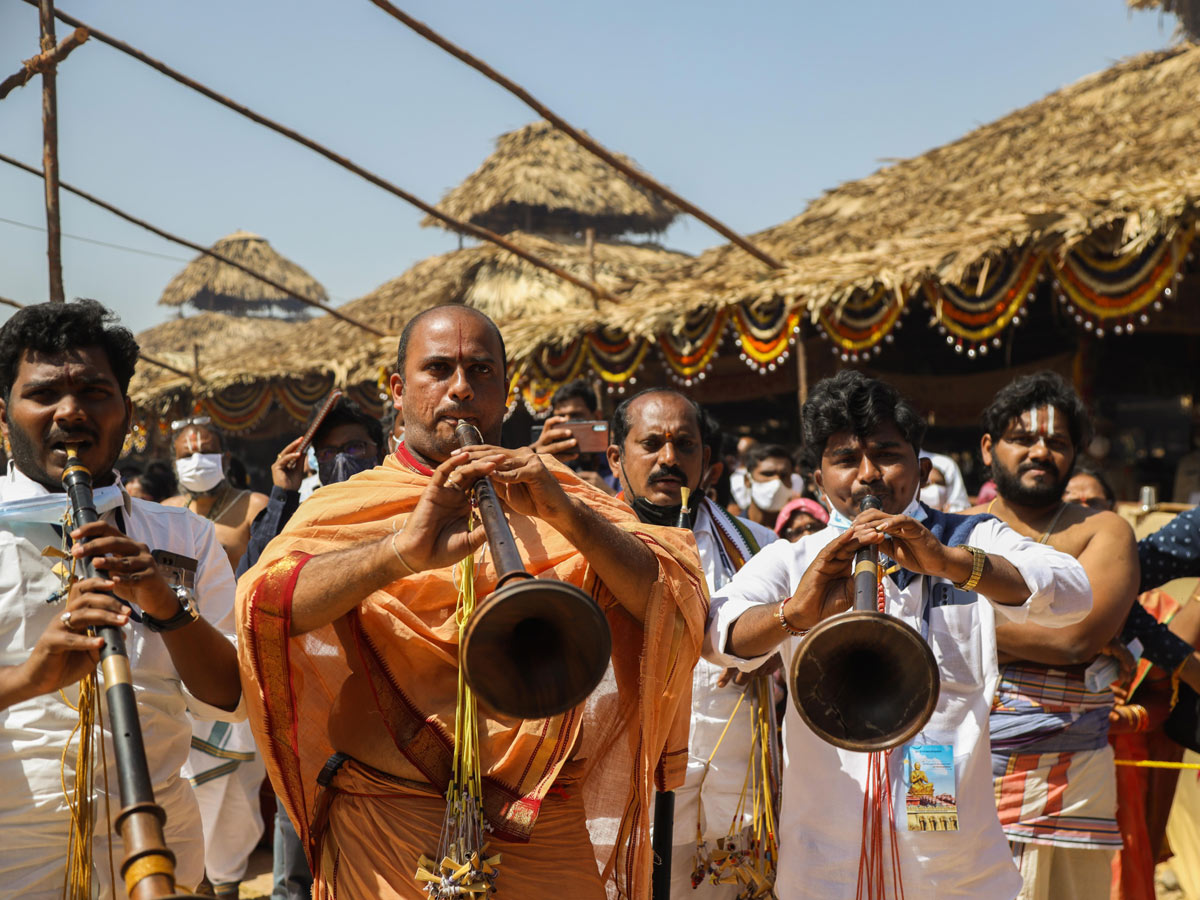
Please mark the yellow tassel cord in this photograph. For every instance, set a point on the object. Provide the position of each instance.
(1155, 764)
(461, 866)
(747, 854)
(80, 798)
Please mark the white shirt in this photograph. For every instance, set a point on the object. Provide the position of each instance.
(33, 812)
(821, 821)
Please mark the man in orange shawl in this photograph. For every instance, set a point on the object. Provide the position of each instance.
(348, 643)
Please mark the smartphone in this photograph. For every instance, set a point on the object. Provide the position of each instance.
(591, 436)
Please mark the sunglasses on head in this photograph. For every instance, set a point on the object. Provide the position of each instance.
(180, 424)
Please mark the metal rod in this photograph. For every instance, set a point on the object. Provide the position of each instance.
(50, 154)
(36, 65)
(166, 235)
(576, 135)
(460, 225)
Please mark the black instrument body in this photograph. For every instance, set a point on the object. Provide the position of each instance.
(148, 866)
(864, 680)
(536, 647)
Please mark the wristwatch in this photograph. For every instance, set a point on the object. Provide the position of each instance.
(186, 616)
(978, 559)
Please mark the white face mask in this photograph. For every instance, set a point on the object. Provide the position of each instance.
(934, 496)
(199, 472)
(769, 496)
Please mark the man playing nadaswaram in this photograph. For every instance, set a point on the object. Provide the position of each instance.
(864, 439)
(352, 643)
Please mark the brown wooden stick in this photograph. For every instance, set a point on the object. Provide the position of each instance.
(199, 249)
(578, 136)
(36, 65)
(50, 154)
(141, 356)
(459, 225)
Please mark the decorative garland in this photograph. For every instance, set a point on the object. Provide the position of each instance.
(299, 396)
(765, 334)
(689, 354)
(970, 320)
(615, 357)
(238, 407)
(860, 325)
(1102, 290)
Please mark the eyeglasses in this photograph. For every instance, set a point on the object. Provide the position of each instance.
(180, 424)
(353, 449)
(1101, 503)
(796, 531)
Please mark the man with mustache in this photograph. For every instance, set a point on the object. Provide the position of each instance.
(64, 377)
(351, 627)
(659, 448)
(951, 578)
(1055, 779)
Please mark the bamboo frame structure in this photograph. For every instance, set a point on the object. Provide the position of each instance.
(50, 153)
(36, 65)
(476, 231)
(166, 235)
(630, 172)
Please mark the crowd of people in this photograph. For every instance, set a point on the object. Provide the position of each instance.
(308, 637)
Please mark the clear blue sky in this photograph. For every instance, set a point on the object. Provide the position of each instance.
(748, 109)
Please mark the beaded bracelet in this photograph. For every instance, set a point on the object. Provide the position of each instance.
(783, 622)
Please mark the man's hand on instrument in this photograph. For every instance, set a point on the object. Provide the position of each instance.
(905, 540)
(288, 469)
(66, 652)
(130, 566)
(526, 486)
(557, 442)
(435, 534)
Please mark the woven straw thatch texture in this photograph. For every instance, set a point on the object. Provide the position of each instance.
(209, 284)
(539, 180)
(1119, 149)
(487, 278)
(1187, 11)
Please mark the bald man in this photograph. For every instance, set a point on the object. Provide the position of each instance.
(349, 646)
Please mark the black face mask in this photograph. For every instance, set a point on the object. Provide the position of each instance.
(341, 467)
(654, 514)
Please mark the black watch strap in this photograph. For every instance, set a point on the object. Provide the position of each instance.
(186, 616)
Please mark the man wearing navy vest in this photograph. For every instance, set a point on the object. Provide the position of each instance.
(659, 440)
(951, 578)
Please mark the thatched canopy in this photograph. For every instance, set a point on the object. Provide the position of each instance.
(1114, 156)
(538, 180)
(208, 284)
(1187, 11)
(485, 277)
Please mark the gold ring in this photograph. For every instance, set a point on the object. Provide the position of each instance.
(452, 482)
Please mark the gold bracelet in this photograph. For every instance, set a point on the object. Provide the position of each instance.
(978, 558)
(794, 632)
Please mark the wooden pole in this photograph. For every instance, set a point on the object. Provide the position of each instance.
(801, 367)
(50, 153)
(579, 137)
(459, 225)
(166, 235)
(589, 239)
(36, 65)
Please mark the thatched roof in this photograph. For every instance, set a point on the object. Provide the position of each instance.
(1117, 154)
(487, 278)
(209, 284)
(1187, 11)
(539, 180)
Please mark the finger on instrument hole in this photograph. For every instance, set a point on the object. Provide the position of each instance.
(115, 544)
(95, 531)
(87, 617)
(93, 586)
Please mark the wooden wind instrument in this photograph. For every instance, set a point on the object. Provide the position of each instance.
(149, 866)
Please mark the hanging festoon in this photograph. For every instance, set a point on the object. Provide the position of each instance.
(1106, 291)
(863, 323)
(766, 333)
(971, 320)
(238, 407)
(615, 357)
(690, 352)
(299, 396)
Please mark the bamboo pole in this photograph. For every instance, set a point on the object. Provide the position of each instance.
(801, 367)
(576, 135)
(166, 235)
(36, 65)
(50, 153)
(459, 225)
(141, 356)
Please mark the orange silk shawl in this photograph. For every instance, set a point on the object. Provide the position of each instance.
(395, 658)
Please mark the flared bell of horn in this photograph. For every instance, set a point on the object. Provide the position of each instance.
(864, 681)
(535, 648)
